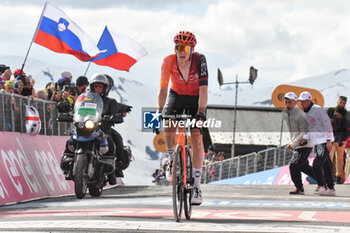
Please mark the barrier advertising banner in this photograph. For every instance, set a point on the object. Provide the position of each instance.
(30, 167)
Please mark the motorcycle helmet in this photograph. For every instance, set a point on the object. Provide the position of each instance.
(185, 37)
(99, 78)
(110, 83)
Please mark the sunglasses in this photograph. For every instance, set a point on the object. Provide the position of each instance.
(185, 48)
(100, 85)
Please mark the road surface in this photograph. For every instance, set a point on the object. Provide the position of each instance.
(226, 208)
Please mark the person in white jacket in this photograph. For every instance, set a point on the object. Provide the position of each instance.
(297, 125)
(320, 133)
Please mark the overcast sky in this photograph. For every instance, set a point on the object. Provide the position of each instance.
(284, 40)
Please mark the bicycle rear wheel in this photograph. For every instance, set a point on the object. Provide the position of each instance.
(189, 184)
(178, 187)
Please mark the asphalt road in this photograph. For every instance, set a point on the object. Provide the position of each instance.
(226, 208)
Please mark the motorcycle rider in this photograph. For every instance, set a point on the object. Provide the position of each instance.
(99, 85)
(123, 158)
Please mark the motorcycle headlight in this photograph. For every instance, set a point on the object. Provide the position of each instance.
(89, 124)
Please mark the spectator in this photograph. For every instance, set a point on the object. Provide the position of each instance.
(49, 89)
(28, 89)
(81, 85)
(9, 87)
(321, 135)
(66, 79)
(221, 156)
(297, 125)
(56, 93)
(67, 102)
(3, 68)
(40, 94)
(6, 75)
(211, 152)
(18, 72)
(18, 87)
(337, 116)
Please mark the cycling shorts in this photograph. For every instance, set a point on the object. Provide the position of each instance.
(177, 104)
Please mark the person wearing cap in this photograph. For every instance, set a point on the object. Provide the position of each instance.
(297, 125)
(66, 79)
(320, 133)
(211, 152)
(18, 72)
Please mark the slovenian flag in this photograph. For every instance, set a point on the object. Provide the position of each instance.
(58, 33)
(118, 51)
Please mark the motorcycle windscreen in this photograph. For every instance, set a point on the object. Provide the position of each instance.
(88, 106)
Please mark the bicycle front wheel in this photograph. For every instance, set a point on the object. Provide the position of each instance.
(178, 186)
(189, 184)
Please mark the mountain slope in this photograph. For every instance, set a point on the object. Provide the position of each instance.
(331, 85)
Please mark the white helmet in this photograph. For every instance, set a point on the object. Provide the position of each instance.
(99, 78)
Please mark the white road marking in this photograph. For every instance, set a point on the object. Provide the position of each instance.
(85, 225)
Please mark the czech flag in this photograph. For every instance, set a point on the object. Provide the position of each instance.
(118, 51)
(58, 33)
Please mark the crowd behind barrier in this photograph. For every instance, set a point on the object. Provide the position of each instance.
(13, 115)
(246, 164)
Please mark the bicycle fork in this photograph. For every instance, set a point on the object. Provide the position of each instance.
(181, 143)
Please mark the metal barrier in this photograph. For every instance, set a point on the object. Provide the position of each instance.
(13, 115)
(246, 164)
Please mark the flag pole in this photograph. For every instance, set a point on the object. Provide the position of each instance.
(25, 59)
(30, 46)
(87, 68)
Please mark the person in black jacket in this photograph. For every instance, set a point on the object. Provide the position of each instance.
(340, 129)
(123, 157)
(99, 85)
(113, 108)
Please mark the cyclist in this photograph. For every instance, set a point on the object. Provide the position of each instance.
(189, 91)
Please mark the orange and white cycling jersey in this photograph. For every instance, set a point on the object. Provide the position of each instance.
(198, 75)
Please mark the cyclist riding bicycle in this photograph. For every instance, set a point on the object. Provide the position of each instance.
(189, 91)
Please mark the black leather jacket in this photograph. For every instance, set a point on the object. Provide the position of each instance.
(112, 108)
(340, 126)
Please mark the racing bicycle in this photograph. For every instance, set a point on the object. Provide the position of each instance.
(182, 177)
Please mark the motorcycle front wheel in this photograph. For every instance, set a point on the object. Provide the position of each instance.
(80, 176)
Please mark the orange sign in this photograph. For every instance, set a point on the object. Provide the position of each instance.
(279, 92)
(159, 142)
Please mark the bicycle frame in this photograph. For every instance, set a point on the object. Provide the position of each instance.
(182, 142)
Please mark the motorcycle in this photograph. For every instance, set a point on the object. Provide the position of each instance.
(89, 166)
